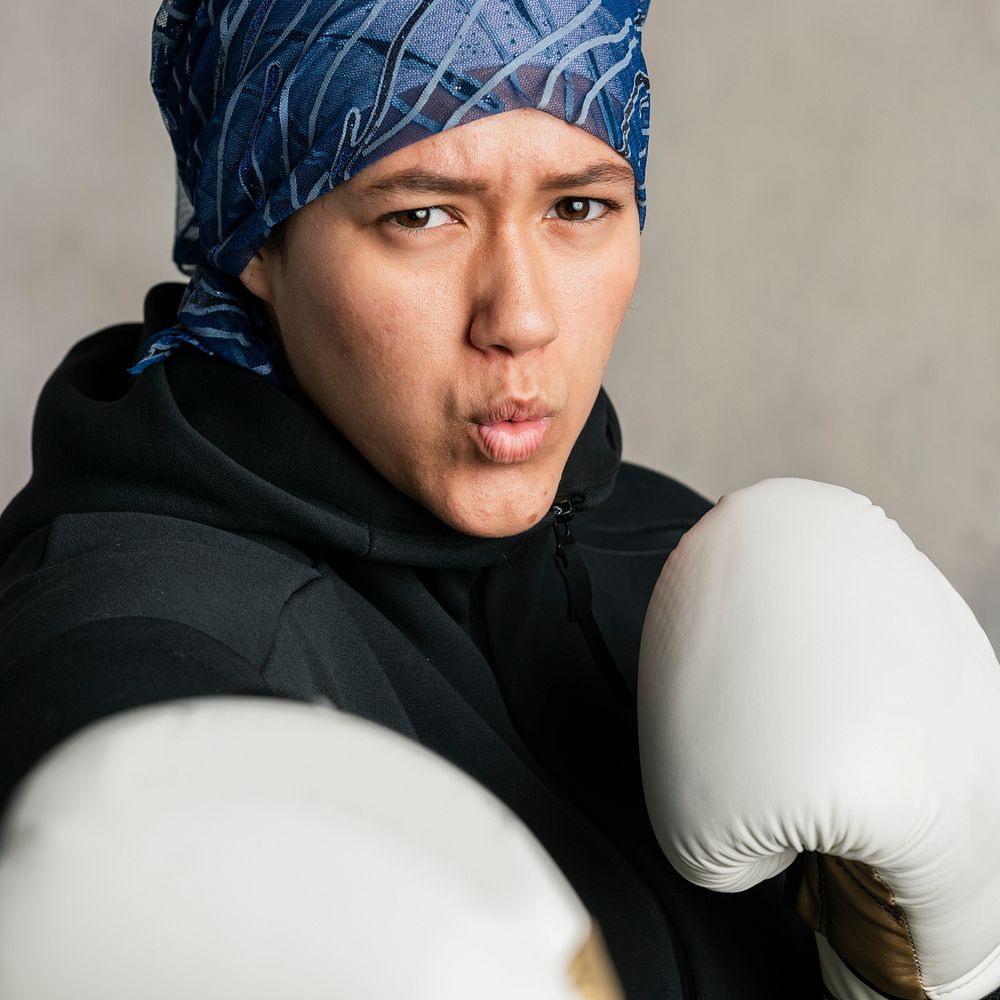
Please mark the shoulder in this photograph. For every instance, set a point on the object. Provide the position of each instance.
(646, 510)
(85, 568)
(103, 612)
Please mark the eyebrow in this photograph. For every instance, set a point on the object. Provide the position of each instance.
(433, 182)
(595, 173)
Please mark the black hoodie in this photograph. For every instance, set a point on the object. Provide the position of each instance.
(197, 530)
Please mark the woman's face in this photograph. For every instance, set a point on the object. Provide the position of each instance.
(452, 307)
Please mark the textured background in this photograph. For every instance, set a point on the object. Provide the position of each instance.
(820, 293)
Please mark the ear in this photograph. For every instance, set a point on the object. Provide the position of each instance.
(257, 277)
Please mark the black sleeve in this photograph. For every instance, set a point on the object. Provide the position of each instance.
(102, 667)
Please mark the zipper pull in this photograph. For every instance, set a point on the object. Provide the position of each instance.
(563, 529)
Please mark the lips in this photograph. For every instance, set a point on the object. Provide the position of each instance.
(512, 430)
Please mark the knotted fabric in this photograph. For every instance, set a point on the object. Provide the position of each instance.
(271, 103)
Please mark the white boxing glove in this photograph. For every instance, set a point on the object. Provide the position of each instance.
(225, 848)
(810, 682)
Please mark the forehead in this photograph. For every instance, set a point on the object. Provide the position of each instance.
(511, 148)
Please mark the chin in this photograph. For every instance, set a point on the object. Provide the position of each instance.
(495, 516)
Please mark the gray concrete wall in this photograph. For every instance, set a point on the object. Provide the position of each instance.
(820, 293)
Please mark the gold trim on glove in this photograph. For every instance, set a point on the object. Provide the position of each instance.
(592, 972)
(850, 905)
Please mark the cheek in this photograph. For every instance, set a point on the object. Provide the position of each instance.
(364, 325)
(596, 295)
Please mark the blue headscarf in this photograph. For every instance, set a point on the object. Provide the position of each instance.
(271, 103)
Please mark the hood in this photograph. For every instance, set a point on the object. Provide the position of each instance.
(198, 438)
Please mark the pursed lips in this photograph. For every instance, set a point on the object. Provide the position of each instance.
(512, 429)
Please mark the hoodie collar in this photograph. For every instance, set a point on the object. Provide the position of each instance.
(201, 439)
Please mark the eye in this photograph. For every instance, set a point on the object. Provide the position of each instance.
(576, 209)
(430, 217)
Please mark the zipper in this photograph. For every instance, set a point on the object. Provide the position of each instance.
(576, 580)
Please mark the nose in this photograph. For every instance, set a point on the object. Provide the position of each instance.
(514, 310)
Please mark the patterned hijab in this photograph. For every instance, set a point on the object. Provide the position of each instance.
(271, 103)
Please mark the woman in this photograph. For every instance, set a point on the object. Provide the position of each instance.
(365, 456)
